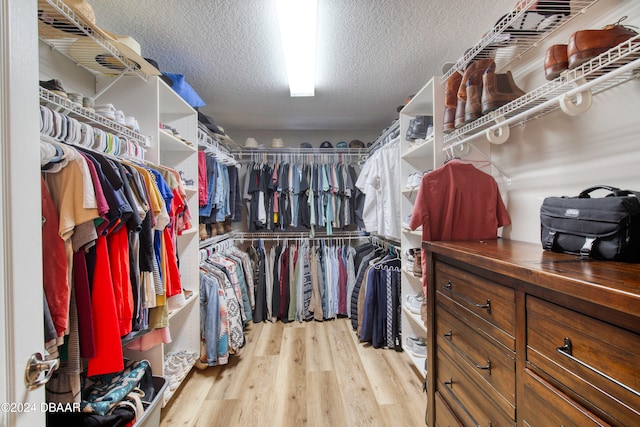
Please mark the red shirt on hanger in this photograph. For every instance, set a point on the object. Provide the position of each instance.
(458, 202)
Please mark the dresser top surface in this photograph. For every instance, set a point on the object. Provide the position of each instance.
(613, 284)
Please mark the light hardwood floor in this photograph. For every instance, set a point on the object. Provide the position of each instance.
(312, 373)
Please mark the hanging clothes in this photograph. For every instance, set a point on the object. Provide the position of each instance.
(379, 304)
(226, 300)
(99, 213)
(379, 180)
(299, 196)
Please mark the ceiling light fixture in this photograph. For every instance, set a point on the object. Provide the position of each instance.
(298, 20)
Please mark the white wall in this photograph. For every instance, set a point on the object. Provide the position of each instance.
(558, 154)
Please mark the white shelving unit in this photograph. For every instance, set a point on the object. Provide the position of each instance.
(153, 102)
(417, 158)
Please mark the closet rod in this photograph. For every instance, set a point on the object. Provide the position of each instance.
(320, 155)
(382, 139)
(298, 234)
(50, 139)
(214, 240)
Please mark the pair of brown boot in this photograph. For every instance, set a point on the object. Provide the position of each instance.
(478, 91)
(217, 228)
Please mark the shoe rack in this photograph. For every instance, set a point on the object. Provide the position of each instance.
(571, 91)
(152, 102)
(416, 157)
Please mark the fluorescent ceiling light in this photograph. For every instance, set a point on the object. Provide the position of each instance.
(298, 31)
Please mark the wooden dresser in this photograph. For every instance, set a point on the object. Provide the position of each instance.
(520, 336)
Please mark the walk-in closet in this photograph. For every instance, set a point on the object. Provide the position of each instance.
(436, 223)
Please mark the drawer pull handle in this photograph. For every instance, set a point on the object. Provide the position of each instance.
(567, 350)
(449, 335)
(449, 383)
(486, 367)
(486, 306)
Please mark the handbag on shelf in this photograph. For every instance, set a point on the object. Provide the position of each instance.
(606, 228)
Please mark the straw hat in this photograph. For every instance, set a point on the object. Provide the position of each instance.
(93, 56)
(53, 24)
(251, 143)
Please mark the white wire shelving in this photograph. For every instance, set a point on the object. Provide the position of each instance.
(71, 109)
(85, 44)
(571, 91)
(508, 34)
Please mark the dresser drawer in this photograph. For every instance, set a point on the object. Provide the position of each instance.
(597, 364)
(544, 406)
(444, 415)
(467, 399)
(488, 308)
(492, 367)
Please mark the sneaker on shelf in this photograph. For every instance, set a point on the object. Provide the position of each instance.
(409, 254)
(414, 302)
(419, 349)
(429, 132)
(411, 341)
(413, 180)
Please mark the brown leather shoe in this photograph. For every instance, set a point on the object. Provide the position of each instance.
(587, 44)
(469, 95)
(555, 61)
(498, 90)
(451, 101)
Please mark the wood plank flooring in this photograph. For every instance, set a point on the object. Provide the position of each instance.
(302, 374)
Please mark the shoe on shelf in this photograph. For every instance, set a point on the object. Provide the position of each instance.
(413, 181)
(472, 82)
(417, 262)
(412, 341)
(409, 254)
(587, 44)
(472, 93)
(202, 230)
(414, 302)
(451, 102)
(227, 225)
(419, 349)
(555, 61)
(418, 127)
(219, 227)
(498, 90)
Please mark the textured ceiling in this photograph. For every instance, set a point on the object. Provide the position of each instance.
(371, 54)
